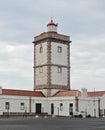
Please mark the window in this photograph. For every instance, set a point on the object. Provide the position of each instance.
(22, 106)
(71, 108)
(61, 107)
(52, 108)
(101, 112)
(59, 70)
(41, 70)
(41, 49)
(59, 49)
(7, 105)
(104, 112)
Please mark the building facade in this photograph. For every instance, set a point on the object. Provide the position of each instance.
(63, 103)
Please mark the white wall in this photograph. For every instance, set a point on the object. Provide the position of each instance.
(90, 105)
(59, 58)
(43, 101)
(41, 77)
(59, 78)
(85, 104)
(41, 58)
(52, 28)
(14, 103)
(0, 90)
(102, 105)
(57, 101)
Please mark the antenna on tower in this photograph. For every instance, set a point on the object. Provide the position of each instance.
(51, 17)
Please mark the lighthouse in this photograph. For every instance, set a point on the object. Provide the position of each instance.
(51, 61)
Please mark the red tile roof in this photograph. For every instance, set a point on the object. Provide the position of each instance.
(22, 93)
(68, 93)
(78, 93)
(96, 94)
(65, 93)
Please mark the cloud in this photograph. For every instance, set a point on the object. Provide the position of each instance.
(87, 63)
(16, 56)
(16, 64)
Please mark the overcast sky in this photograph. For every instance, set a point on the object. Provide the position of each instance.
(82, 20)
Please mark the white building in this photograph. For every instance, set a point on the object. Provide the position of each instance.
(52, 94)
(63, 103)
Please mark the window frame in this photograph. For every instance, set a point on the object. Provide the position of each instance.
(40, 69)
(59, 69)
(22, 106)
(59, 49)
(40, 49)
(61, 106)
(7, 105)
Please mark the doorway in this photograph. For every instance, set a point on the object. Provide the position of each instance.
(38, 108)
(71, 109)
(52, 108)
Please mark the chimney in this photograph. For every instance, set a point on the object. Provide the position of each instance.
(84, 92)
(0, 90)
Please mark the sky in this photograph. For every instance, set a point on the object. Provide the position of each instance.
(82, 20)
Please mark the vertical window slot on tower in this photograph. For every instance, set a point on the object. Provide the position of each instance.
(59, 70)
(59, 49)
(41, 49)
(41, 69)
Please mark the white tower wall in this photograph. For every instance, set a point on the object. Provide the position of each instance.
(41, 54)
(59, 58)
(52, 28)
(59, 78)
(41, 75)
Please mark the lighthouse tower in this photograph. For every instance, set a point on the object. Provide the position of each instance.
(51, 61)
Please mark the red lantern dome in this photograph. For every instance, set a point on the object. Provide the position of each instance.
(51, 23)
(52, 26)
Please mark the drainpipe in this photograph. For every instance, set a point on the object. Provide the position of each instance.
(99, 107)
(30, 104)
(58, 111)
(76, 104)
